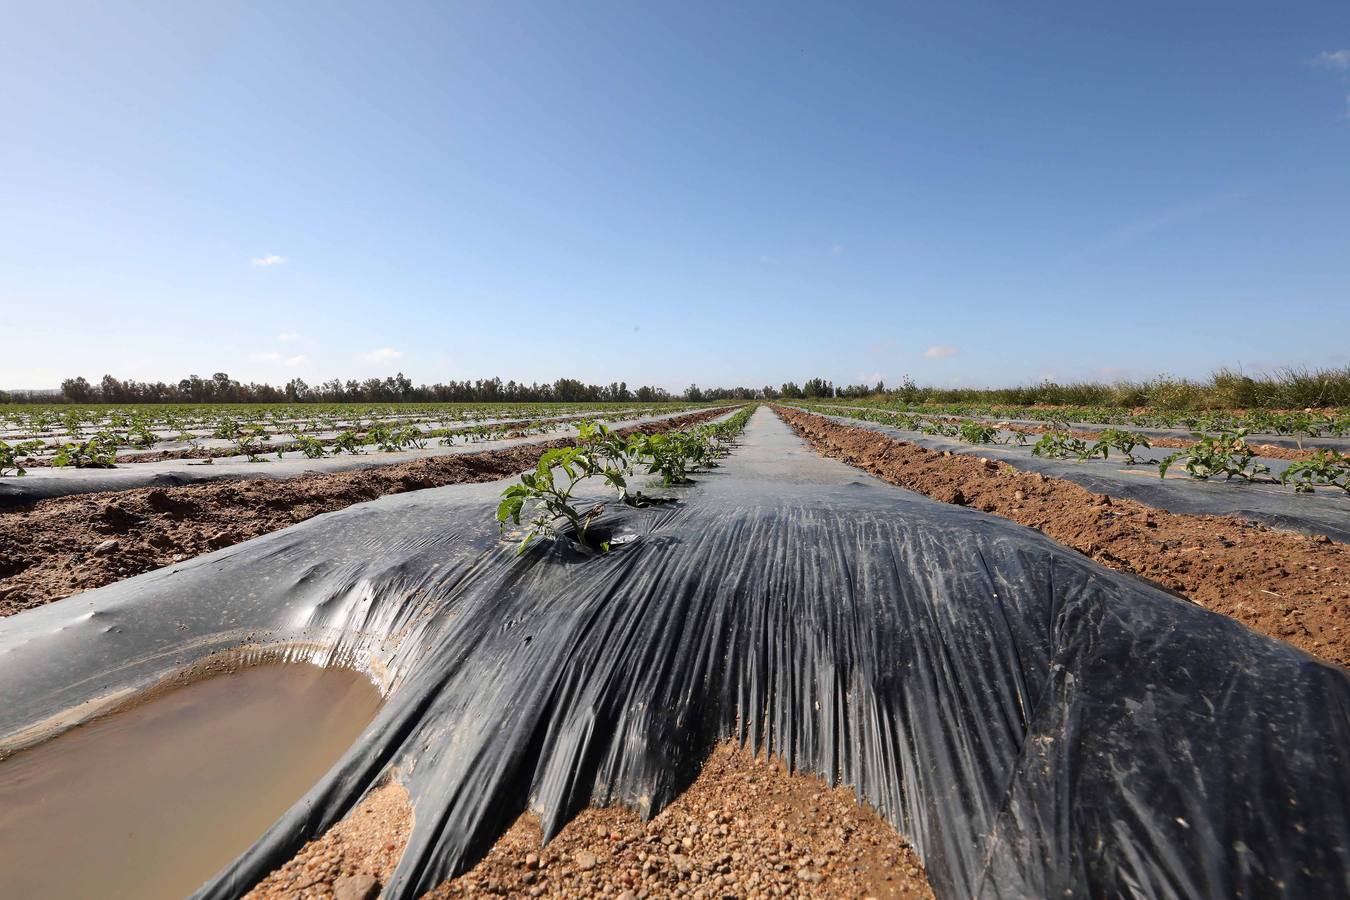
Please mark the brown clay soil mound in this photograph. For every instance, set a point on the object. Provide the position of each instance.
(1288, 586)
(59, 547)
(744, 828)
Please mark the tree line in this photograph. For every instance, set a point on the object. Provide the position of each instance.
(221, 388)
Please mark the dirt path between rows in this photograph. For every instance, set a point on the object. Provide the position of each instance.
(65, 545)
(1285, 585)
(744, 828)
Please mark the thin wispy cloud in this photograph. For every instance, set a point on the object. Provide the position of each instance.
(1332, 59)
(1173, 216)
(1335, 61)
(289, 337)
(938, 351)
(770, 260)
(270, 260)
(265, 356)
(837, 250)
(382, 355)
(294, 362)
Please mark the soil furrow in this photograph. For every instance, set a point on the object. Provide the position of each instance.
(1285, 585)
(59, 547)
(744, 828)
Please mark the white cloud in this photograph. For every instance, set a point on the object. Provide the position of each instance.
(837, 250)
(293, 362)
(382, 355)
(269, 260)
(937, 351)
(1332, 59)
(289, 337)
(265, 356)
(770, 260)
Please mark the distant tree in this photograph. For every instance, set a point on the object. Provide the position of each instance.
(77, 390)
(818, 387)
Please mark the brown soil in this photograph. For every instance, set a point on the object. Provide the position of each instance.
(59, 547)
(353, 857)
(744, 828)
(1285, 585)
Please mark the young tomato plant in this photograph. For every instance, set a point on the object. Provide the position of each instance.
(1116, 439)
(9, 459)
(347, 442)
(1059, 445)
(1328, 467)
(95, 453)
(1225, 454)
(552, 495)
(973, 432)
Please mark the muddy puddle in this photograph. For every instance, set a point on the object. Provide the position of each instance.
(152, 801)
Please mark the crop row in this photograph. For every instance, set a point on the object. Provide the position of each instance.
(1225, 453)
(253, 440)
(598, 452)
(75, 422)
(1306, 423)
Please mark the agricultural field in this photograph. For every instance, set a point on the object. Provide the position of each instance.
(664, 641)
(104, 436)
(883, 451)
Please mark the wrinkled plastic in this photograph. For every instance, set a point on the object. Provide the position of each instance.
(1038, 725)
(1325, 512)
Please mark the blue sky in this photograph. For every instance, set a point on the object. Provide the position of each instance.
(724, 193)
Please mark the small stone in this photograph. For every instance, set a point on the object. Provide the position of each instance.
(356, 887)
(531, 860)
(1018, 495)
(585, 860)
(810, 875)
(108, 546)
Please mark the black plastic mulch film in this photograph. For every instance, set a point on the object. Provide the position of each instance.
(1039, 726)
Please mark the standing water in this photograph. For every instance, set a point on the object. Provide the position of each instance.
(152, 801)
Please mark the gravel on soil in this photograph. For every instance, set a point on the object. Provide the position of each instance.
(745, 827)
(353, 858)
(1289, 586)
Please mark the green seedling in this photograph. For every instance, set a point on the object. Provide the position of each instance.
(1328, 467)
(552, 495)
(347, 442)
(978, 433)
(1059, 445)
(1124, 441)
(95, 453)
(1226, 454)
(9, 459)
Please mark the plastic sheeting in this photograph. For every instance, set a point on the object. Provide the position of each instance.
(43, 483)
(1325, 512)
(1038, 725)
